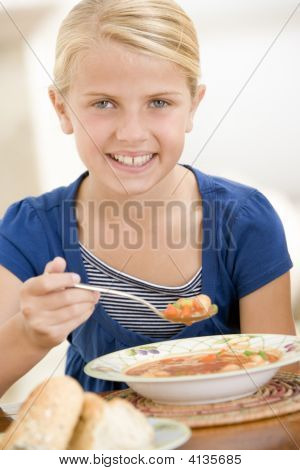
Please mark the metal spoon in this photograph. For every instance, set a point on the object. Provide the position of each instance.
(105, 290)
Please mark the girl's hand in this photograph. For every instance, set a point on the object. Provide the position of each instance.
(50, 308)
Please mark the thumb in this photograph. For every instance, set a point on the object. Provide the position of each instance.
(57, 265)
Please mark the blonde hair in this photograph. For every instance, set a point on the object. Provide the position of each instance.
(158, 28)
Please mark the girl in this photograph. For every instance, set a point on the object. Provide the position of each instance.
(126, 85)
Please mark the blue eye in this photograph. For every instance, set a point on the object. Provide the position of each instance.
(103, 104)
(99, 103)
(164, 104)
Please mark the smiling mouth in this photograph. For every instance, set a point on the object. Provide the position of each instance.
(132, 161)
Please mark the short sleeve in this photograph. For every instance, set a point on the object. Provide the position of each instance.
(22, 241)
(259, 253)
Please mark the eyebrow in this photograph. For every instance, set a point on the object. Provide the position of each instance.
(96, 93)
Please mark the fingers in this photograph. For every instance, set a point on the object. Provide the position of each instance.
(75, 321)
(74, 314)
(52, 307)
(61, 317)
(47, 283)
(52, 328)
(57, 265)
(68, 297)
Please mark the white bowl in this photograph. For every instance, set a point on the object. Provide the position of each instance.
(199, 388)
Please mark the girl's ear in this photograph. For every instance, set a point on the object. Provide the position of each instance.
(195, 103)
(61, 110)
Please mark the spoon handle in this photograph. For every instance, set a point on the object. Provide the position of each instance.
(105, 290)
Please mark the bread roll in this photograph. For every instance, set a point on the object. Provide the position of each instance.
(111, 425)
(91, 416)
(47, 418)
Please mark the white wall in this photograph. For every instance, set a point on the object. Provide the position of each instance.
(259, 138)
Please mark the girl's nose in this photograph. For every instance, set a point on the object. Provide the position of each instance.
(131, 128)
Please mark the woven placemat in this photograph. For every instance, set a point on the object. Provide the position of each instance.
(280, 396)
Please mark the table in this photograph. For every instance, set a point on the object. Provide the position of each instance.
(281, 432)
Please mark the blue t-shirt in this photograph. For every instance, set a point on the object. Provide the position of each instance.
(243, 248)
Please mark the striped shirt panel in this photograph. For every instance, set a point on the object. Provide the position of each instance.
(133, 315)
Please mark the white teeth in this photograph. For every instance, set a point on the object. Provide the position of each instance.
(132, 161)
(128, 161)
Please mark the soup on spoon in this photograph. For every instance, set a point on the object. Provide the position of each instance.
(190, 310)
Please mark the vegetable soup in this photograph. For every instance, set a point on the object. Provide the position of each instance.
(213, 362)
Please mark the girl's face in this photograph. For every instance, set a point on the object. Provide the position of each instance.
(129, 113)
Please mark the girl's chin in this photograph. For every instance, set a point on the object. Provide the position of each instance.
(131, 188)
(114, 185)
(126, 184)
